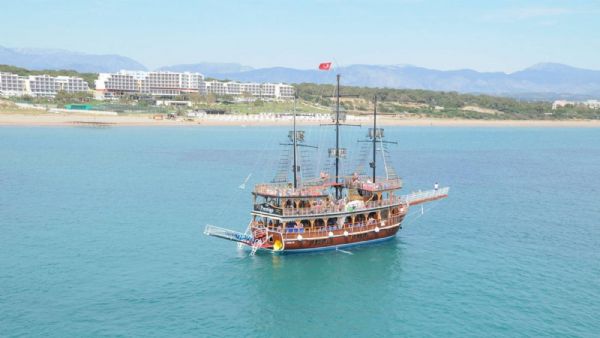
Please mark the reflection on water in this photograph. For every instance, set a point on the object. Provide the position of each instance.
(302, 286)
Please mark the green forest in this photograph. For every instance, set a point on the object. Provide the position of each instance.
(429, 103)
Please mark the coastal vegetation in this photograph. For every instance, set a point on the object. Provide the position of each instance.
(409, 103)
(426, 103)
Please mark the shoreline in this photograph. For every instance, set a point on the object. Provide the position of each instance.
(75, 120)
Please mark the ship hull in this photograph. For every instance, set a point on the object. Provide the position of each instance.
(335, 242)
(335, 246)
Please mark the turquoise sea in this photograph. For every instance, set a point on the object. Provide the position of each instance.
(101, 235)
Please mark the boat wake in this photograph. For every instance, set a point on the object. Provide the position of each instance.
(344, 251)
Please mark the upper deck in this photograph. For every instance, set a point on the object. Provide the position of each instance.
(286, 190)
(333, 209)
(364, 183)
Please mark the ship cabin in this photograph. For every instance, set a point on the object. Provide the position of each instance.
(312, 211)
(380, 190)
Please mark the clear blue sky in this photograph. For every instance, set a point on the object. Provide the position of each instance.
(486, 35)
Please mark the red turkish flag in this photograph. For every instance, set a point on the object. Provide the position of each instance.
(325, 66)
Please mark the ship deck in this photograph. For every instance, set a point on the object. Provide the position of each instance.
(337, 210)
(345, 230)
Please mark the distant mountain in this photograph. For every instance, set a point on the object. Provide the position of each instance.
(541, 80)
(38, 59)
(557, 78)
(209, 69)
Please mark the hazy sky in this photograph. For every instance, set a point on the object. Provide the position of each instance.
(486, 35)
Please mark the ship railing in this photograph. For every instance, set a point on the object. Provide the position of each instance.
(380, 185)
(268, 208)
(337, 207)
(425, 196)
(283, 190)
(327, 208)
(349, 228)
(228, 234)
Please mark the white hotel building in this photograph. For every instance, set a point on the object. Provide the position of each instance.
(112, 85)
(170, 84)
(12, 85)
(40, 85)
(277, 91)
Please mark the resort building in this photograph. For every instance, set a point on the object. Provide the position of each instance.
(216, 87)
(251, 88)
(161, 84)
(593, 104)
(172, 84)
(43, 86)
(71, 84)
(285, 91)
(234, 88)
(277, 91)
(11, 85)
(40, 85)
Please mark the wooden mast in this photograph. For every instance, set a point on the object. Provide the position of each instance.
(295, 147)
(374, 136)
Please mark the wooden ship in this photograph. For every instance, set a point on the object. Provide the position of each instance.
(331, 211)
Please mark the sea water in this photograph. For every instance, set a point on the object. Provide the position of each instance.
(101, 235)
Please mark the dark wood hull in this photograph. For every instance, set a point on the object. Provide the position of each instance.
(340, 239)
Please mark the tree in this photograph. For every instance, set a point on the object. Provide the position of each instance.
(210, 98)
(63, 97)
(195, 98)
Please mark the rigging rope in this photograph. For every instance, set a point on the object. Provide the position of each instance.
(387, 176)
(260, 159)
(421, 213)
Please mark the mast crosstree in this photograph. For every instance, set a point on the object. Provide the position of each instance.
(338, 153)
(375, 136)
(296, 138)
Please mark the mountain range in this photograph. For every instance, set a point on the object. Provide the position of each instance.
(541, 81)
(39, 59)
(209, 69)
(544, 80)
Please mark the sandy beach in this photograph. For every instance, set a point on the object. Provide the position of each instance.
(62, 119)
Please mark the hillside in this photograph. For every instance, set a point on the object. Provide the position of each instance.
(426, 103)
(88, 77)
